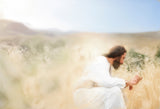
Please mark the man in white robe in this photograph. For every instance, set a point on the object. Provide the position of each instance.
(98, 89)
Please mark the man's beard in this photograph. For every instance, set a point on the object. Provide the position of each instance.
(116, 64)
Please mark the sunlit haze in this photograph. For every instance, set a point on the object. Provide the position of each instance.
(85, 15)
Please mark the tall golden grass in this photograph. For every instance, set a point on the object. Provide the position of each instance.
(40, 72)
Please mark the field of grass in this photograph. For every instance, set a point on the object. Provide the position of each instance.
(38, 72)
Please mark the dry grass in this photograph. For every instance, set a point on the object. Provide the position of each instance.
(40, 72)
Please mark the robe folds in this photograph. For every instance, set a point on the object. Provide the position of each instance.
(97, 89)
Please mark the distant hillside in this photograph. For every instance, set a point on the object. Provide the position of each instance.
(13, 28)
(155, 34)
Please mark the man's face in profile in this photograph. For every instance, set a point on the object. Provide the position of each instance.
(118, 61)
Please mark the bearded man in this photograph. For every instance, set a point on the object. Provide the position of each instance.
(98, 89)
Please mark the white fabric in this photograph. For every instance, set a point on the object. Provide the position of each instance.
(107, 95)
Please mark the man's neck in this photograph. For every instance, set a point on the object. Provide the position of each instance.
(110, 60)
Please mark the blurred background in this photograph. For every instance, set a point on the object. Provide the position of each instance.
(46, 44)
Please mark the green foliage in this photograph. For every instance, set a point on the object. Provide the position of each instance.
(3, 99)
(156, 60)
(157, 55)
(135, 61)
(35, 50)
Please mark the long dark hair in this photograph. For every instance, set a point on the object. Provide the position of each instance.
(116, 51)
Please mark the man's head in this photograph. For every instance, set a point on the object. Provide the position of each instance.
(117, 54)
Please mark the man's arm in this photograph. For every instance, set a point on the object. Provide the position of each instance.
(110, 82)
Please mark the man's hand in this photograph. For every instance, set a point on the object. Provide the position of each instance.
(134, 81)
(128, 83)
(130, 87)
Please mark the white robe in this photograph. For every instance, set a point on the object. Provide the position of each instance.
(107, 95)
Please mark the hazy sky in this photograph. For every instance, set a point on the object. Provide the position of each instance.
(85, 15)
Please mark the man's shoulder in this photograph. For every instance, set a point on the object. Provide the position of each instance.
(100, 58)
(97, 60)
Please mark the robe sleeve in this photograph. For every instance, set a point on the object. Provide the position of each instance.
(111, 82)
(100, 74)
